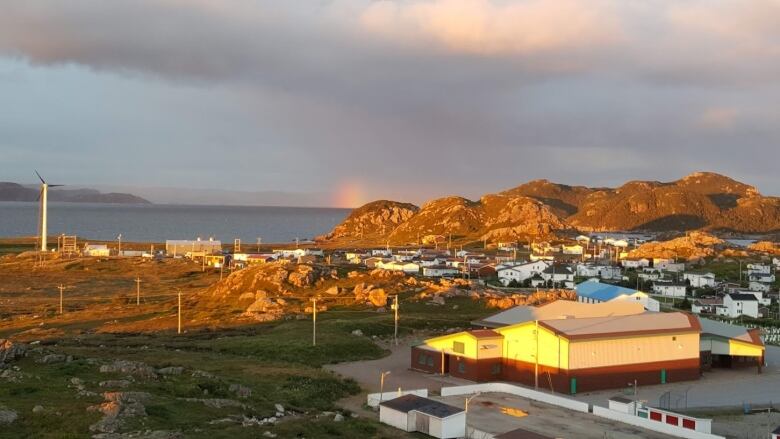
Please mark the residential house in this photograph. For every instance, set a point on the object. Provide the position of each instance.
(593, 291)
(699, 279)
(519, 272)
(650, 274)
(759, 269)
(668, 265)
(763, 287)
(559, 275)
(575, 249)
(706, 305)
(740, 304)
(439, 271)
(670, 288)
(405, 266)
(635, 263)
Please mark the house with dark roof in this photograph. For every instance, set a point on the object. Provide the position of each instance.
(739, 304)
(412, 413)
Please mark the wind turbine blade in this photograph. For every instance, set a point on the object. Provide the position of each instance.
(39, 177)
(56, 185)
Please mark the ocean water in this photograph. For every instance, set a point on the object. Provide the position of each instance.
(160, 222)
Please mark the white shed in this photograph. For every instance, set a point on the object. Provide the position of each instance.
(414, 413)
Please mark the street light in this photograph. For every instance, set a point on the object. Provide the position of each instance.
(466, 411)
(382, 376)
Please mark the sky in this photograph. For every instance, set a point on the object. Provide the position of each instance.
(354, 100)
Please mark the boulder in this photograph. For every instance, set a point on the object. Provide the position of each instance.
(378, 297)
(7, 416)
(10, 351)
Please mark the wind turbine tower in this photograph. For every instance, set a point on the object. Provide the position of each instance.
(42, 214)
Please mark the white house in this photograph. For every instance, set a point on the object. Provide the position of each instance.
(700, 280)
(763, 301)
(776, 433)
(706, 306)
(439, 271)
(559, 275)
(635, 262)
(412, 413)
(738, 304)
(575, 249)
(760, 286)
(97, 250)
(649, 274)
(776, 262)
(520, 272)
(669, 288)
(668, 265)
(759, 269)
(384, 252)
(406, 267)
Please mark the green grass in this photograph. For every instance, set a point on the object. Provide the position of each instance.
(276, 360)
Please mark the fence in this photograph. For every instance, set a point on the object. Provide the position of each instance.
(664, 425)
(373, 398)
(517, 391)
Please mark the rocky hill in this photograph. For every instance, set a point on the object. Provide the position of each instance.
(17, 192)
(540, 208)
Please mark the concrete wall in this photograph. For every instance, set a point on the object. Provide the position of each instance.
(660, 427)
(517, 391)
(373, 398)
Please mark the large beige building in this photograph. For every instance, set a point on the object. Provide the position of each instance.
(571, 355)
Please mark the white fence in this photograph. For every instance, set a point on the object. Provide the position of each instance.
(517, 391)
(374, 398)
(660, 427)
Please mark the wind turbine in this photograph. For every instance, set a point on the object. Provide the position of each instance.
(43, 197)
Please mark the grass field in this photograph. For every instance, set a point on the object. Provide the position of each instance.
(275, 360)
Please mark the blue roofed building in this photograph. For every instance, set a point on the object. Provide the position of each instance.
(593, 291)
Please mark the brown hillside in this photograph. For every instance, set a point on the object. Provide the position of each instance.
(700, 201)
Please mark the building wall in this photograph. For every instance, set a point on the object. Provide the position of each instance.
(632, 350)
(615, 377)
(393, 418)
(435, 358)
(454, 426)
(520, 345)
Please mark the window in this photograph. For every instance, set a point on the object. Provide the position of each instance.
(458, 347)
(496, 369)
(461, 367)
(422, 359)
(430, 361)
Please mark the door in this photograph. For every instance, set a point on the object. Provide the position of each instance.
(573, 386)
(422, 423)
(663, 376)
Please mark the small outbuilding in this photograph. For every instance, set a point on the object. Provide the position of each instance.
(522, 434)
(412, 413)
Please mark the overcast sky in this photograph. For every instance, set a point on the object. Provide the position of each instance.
(407, 100)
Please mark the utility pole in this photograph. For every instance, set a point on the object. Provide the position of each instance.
(314, 322)
(61, 287)
(395, 318)
(382, 376)
(137, 290)
(536, 358)
(221, 266)
(259, 241)
(179, 327)
(119, 248)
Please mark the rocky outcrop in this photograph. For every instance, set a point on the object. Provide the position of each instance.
(372, 221)
(771, 248)
(10, 351)
(117, 407)
(700, 201)
(692, 246)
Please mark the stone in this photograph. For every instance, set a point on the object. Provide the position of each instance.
(338, 418)
(279, 407)
(10, 351)
(52, 359)
(268, 434)
(357, 332)
(135, 368)
(241, 391)
(333, 291)
(172, 370)
(115, 383)
(378, 297)
(37, 409)
(7, 416)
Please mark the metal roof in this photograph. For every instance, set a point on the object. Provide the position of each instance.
(522, 434)
(409, 403)
(640, 324)
(560, 309)
(603, 292)
(726, 330)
